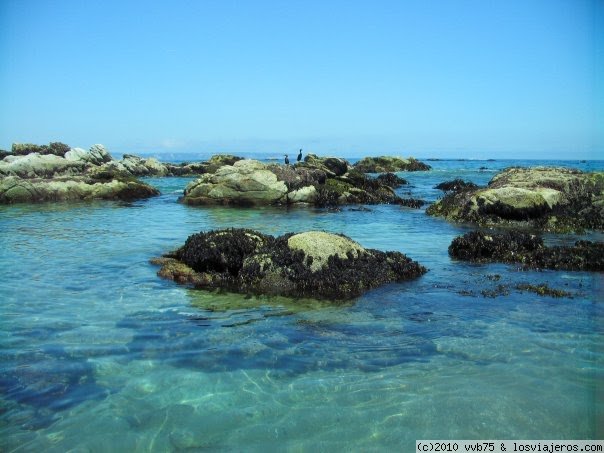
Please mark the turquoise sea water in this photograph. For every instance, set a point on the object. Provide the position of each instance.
(99, 354)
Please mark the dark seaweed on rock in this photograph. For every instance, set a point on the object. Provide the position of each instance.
(545, 198)
(528, 250)
(391, 180)
(294, 265)
(456, 185)
(414, 203)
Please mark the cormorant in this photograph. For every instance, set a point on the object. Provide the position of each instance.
(300, 156)
(286, 160)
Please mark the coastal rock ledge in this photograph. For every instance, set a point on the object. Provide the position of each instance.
(55, 172)
(544, 198)
(312, 264)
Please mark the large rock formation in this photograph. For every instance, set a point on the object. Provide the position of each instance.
(74, 188)
(246, 182)
(383, 164)
(527, 250)
(311, 264)
(551, 199)
(318, 182)
(50, 173)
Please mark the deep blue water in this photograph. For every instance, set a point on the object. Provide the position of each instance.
(99, 354)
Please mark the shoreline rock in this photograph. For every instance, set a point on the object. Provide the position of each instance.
(544, 198)
(312, 264)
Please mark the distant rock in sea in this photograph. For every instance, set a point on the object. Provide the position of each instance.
(322, 182)
(391, 164)
(312, 264)
(544, 198)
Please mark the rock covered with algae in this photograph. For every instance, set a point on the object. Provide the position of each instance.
(322, 182)
(528, 250)
(312, 264)
(545, 198)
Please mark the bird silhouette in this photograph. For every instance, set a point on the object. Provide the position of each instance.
(286, 160)
(300, 156)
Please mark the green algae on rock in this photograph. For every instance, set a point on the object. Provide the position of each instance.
(545, 198)
(383, 164)
(312, 264)
(528, 250)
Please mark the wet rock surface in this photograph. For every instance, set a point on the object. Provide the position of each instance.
(545, 198)
(313, 264)
(528, 250)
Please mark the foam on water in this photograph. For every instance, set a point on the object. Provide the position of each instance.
(99, 354)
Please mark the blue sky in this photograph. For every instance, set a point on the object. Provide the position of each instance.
(448, 78)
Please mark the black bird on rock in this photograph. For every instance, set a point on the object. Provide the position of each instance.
(286, 160)
(300, 156)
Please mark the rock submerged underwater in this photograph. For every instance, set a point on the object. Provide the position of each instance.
(312, 264)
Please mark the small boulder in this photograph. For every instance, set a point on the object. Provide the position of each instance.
(456, 185)
(391, 180)
(99, 155)
(333, 166)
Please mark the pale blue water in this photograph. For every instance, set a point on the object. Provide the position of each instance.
(99, 354)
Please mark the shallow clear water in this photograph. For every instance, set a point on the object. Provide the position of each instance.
(99, 354)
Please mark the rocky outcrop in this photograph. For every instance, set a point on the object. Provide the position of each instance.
(527, 250)
(65, 176)
(456, 185)
(331, 166)
(36, 190)
(245, 183)
(311, 264)
(392, 180)
(252, 183)
(54, 148)
(40, 166)
(390, 164)
(551, 199)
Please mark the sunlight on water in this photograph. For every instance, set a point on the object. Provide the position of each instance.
(99, 354)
